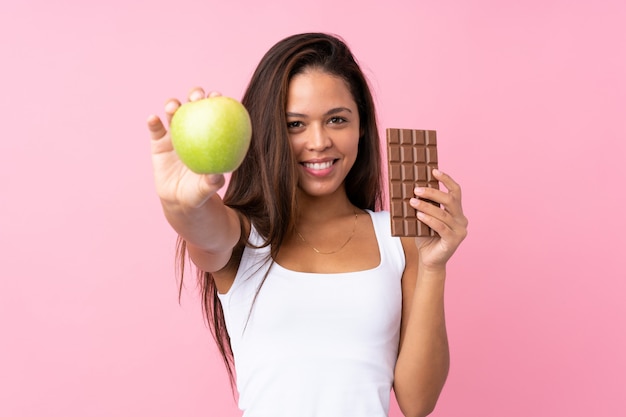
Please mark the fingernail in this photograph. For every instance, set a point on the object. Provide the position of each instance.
(436, 172)
(418, 190)
(170, 106)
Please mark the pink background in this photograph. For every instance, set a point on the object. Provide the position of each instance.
(529, 100)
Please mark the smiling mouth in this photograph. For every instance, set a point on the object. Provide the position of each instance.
(318, 166)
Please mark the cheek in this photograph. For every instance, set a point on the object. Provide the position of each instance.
(296, 144)
(358, 150)
(353, 155)
(356, 144)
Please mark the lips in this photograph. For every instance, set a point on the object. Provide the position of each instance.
(318, 166)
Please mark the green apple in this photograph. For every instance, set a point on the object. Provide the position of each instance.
(212, 135)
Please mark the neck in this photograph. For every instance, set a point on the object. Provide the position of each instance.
(320, 209)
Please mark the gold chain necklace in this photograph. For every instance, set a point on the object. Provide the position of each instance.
(356, 217)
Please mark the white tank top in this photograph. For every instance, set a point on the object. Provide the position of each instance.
(316, 345)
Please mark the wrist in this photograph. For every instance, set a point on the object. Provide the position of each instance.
(432, 271)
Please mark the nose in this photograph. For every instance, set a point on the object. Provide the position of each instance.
(319, 138)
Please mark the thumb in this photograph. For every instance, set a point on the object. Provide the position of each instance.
(210, 184)
(202, 189)
(215, 180)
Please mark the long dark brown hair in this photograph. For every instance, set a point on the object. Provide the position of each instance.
(263, 188)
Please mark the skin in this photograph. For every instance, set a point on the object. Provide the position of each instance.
(323, 124)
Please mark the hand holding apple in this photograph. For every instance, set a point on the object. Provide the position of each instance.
(211, 135)
(179, 188)
(189, 199)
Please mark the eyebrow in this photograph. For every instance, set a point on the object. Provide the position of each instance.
(328, 113)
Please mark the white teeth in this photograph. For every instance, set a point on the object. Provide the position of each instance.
(318, 165)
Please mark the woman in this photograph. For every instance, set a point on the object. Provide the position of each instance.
(320, 310)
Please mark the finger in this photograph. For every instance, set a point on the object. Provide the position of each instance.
(160, 139)
(214, 94)
(455, 222)
(451, 185)
(431, 210)
(206, 186)
(195, 94)
(434, 195)
(446, 226)
(443, 230)
(156, 128)
(434, 223)
(171, 106)
(451, 200)
(215, 181)
(445, 202)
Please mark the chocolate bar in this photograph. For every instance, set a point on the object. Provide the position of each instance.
(412, 156)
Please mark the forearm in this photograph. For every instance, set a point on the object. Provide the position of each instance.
(423, 359)
(212, 227)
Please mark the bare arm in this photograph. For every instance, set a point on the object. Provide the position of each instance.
(423, 358)
(190, 201)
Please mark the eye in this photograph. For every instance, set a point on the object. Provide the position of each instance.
(336, 120)
(294, 125)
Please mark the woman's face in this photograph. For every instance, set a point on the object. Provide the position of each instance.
(323, 125)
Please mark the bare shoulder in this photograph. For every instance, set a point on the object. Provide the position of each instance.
(411, 255)
(409, 280)
(409, 246)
